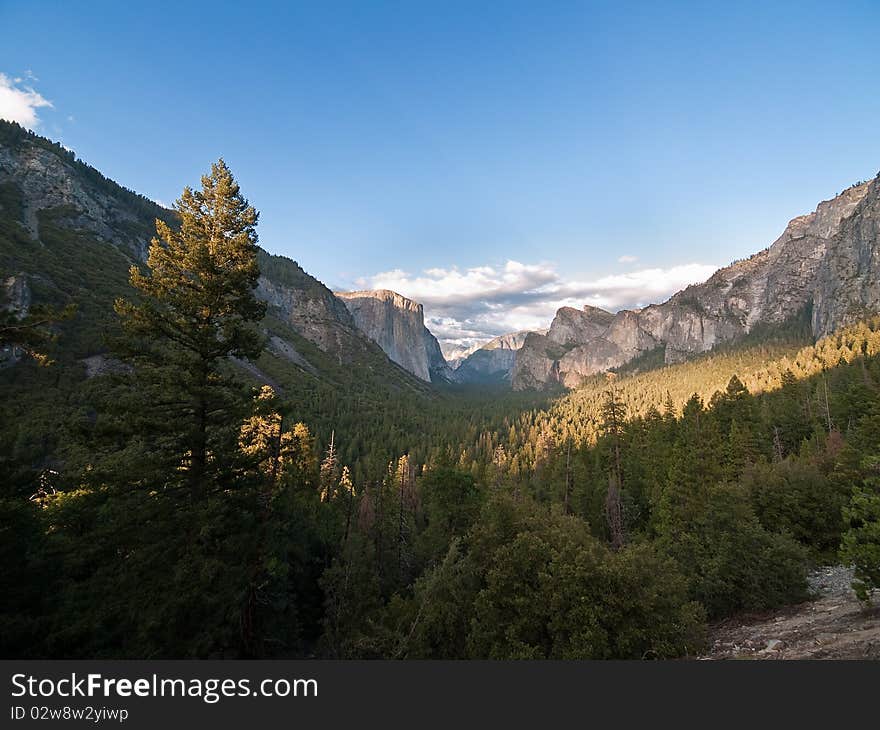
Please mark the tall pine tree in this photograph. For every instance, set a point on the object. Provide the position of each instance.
(196, 309)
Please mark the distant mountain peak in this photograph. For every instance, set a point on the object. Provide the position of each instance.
(492, 361)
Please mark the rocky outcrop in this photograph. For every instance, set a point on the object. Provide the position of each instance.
(493, 362)
(537, 362)
(313, 312)
(848, 279)
(15, 302)
(833, 624)
(438, 369)
(283, 348)
(96, 365)
(828, 260)
(15, 296)
(397, 325)
(51, 180)
(575, 326)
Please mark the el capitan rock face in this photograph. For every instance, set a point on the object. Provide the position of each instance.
(828, 259)
(397, 325)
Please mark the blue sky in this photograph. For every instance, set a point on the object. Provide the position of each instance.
(471, 154)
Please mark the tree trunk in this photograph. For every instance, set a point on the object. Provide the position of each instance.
(614, 514)
(199, 445)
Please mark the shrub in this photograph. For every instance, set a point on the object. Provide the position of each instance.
(795, 497)
(860, 546)
(732, 563)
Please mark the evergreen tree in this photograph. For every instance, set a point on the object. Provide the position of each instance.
(262, 437)
(613, 416)
(196, 309)
(329, 476)
(860, 546)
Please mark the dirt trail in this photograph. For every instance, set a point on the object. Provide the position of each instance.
(832, 626)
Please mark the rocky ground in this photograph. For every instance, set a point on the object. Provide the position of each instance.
(834, 625)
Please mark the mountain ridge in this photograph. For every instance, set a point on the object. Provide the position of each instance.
(825, 260)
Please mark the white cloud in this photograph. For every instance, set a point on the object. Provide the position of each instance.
(638, 288)
(627, 259)
(451, 286)
(20, 103)
(470, 306)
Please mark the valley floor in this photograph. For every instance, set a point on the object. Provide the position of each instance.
(834, 625)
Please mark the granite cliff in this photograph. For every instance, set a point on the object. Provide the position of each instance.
(826, 260)
(397, 325)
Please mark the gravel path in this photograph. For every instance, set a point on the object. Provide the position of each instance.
(834, 625)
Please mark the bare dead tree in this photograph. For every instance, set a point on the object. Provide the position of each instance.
(614, 514)
(777, 444)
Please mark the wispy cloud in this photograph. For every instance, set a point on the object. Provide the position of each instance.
(627, 259)
(469, 306)
(19, 103)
